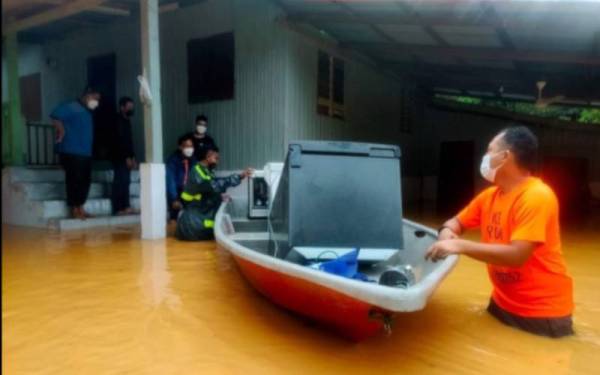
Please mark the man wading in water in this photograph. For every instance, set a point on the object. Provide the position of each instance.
(520, 239)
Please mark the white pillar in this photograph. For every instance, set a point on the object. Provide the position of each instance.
(153, 201)
(152, 173)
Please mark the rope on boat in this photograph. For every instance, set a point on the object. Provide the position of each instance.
(386, 318)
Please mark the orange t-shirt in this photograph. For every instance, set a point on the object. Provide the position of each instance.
(541, 287)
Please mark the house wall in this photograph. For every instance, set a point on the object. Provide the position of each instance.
(275, 94)
(444, 126)
(373, 101)
(275, 83)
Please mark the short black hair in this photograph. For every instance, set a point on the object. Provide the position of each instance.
(89, 90)
(204, 152)
(521, 141)
(124, 100)
(201, 118)
(184, 138)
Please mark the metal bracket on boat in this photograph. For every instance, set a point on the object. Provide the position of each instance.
(386, 318)
(295, 156)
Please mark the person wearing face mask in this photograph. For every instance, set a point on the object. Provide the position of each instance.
(200, 136)
(520, 239)
(73, 126)
(123, 158)
(202, 196)
(179, 165)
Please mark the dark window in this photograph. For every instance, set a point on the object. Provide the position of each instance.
(211, 68)
(323, 76)
(330, 86)
(338, 81)
(31, 97)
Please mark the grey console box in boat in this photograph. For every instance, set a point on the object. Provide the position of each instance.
(338, 194)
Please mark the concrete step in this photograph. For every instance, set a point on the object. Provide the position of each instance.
(99, 221)
(55, 174)
(53, 209)
(41, 191)
(107, 176)
(134, 189)
(22, 174)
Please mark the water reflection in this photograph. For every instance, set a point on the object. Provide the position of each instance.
(106, 302)
(154, 279)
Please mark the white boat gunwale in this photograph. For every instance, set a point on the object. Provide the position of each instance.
(389, 298)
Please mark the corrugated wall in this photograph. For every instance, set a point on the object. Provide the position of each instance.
(68, 77)
(249, 129)
(371, 100)
(276, 94)
(275, 83)
(374, 104)
(457, 126)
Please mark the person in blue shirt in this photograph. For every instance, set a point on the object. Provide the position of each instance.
(74, 139)
(179, 165)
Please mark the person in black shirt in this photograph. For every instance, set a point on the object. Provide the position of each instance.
(123, 158)
(202, 141)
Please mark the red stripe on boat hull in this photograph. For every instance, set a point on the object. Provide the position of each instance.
(347, 315)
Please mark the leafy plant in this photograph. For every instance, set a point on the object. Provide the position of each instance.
(577, 114)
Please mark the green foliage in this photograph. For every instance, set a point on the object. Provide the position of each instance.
(590, 116)
(460, 99)
(577, 114)
(468, 100)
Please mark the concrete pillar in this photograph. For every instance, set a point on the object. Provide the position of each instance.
(16, 131)
(152, 172)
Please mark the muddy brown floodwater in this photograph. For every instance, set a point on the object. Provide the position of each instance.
(106, 302)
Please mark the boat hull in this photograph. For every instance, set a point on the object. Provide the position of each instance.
(348, 316)
(356, 310)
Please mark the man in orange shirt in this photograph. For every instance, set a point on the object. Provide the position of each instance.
(520, 234)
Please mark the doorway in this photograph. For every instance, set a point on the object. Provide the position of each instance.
(30, 87)
(102, 76)
(455, 177)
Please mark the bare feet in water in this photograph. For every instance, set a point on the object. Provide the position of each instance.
(127, 211)
(77, 213)
(85, 213)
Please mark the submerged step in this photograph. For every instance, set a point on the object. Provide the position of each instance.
(134, 189)
(55, 174)
(100, 221)
(99, 207)
(107, 176)
(20, 174)
(39, 191)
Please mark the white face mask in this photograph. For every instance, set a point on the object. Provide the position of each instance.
(486, 169)
(188, 152)
(201, 129)
(92, 104)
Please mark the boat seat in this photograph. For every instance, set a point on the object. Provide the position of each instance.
(329, 253)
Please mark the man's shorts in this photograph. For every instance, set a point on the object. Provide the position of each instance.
(551, 327)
